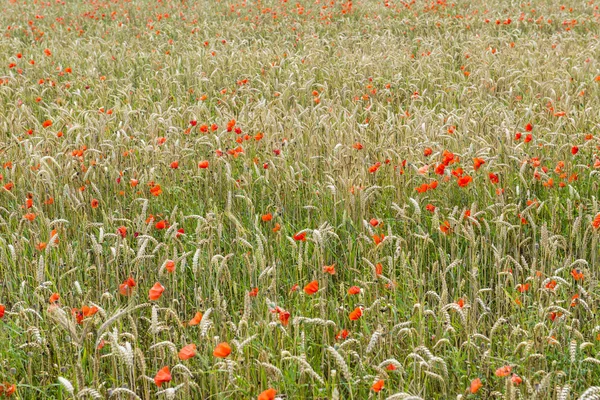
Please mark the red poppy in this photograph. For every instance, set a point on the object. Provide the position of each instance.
(268, 394)
(174, 165)
(551, 285)
(156, 291)
(196, 320)
(222, 350)
(47, 123)
(330, 269)
(284, 317)
(377, 386)
(464, 181)
(577, 274)
(126, 287)
(343, 334)
(477, 163)
(94, 203)
(355, 314)
(161, 224)
(170, 265)
(162, 376)
(300, 236)
(311, 288)
(267, 217)
(378, 238)
(2, 310)
(493, 178)
(187, 352)
(54, 298)
(529, 127)
(29, 217)
(203, 164)
(154, 190)
(503, 371)
(354, 290)
(574, 150)
(122, 230)
(475, 385)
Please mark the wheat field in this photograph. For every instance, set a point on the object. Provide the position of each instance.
(299, 199)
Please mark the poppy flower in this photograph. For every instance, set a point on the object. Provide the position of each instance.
(170, 265)
(47, 123)
(277, 227)
(174, 165)
(477, 163)
(445, 227)
(355, 314)
(529, 127)
(516, 379)
(284, 317)
(311, 288)
(378, 238)
(523, 287)
(162, 376)
(464, 181)
(596, 221)
(94, 203)
(253, 292)
(343, 334)
(430, 207)
(378, 269)
(493, 178)
(357, 146)
(122, 230)
(551, 285)
(577, 274)
(574, 150)
(196, 320)
(187, 352)
(427, 152)
(503, 371)
(330, 269)
(2, 310)
(126, 287)
(377, 386)
(460, 302)
(54, 298)
(475, 385)
(222, 350)
(374, 222)
(440, 169)
(154, 190)
(268, 394)
(29, 216)
(301, 236)
(161, 224)
(574, 299)
(354, 290)
(7, 390)
(156, 291)
(267, 217)
(203, 164)
(374, 167)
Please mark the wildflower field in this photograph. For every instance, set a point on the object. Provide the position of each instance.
(299, 199)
